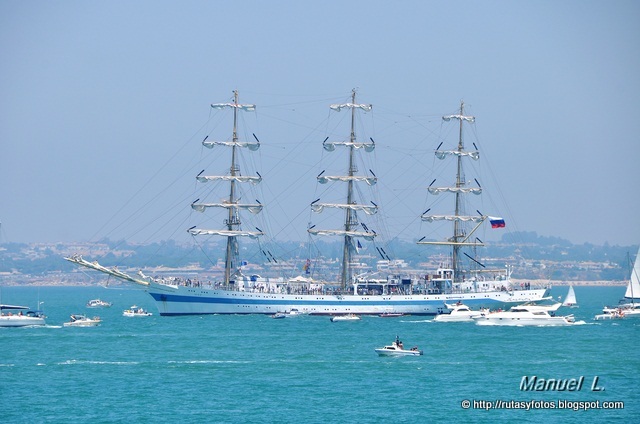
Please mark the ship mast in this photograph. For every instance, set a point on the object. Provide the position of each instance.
(458, 230)
(232, 204)
(232, 222)
(350, 216)
(231, 255)
(460, 237)
(349, 231)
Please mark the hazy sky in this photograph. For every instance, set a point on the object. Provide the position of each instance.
(103, 106)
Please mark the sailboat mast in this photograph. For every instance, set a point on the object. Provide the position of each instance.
(233, 219)
(458, 234)
(350, 219)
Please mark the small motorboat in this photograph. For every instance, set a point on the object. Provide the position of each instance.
(348, 317)
(291, 313)
(136, 311)
(459, 313)
(610, 313)
(97, 303)
(397, 349)
(628, 310)
(79, 320)
(390, 314)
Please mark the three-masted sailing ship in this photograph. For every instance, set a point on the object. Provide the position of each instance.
(252, 294)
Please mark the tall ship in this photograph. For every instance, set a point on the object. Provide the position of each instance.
(239, 293)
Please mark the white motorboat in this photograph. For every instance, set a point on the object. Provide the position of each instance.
(391, 314)
(136, 311)
(397, 349)
(348, 317)
(97, 303)
(286, 314)
(459, 313)
(552, 308)
(525, 315)
(79, 320)
(610, 313)
(625, 310)
(22, 318)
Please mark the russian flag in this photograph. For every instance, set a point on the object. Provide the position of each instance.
(496, 222)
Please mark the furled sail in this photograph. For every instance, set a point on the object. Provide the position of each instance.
(248, 108)
(369, 210)
(250, 146)
(238, 178)
(367, 236)
(442, 154)
(331, 145)
(253, 208)
(438, 190)
(369, 180)
(459, 218)
(460, 117)
(337, 107)
(225, 233)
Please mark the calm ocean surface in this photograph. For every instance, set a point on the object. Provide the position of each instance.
(254, 369)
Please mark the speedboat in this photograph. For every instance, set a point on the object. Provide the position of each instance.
(97, 303)
(23, 318)
(136, 311)
(390, 314)
(526, 315)
(611, 313)
(628, 310)
(459, 313)
(397, 349)
(79, 320)
(291, 313)
(348, 317)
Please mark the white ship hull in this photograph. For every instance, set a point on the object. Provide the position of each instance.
(20, 321)
(181, 300)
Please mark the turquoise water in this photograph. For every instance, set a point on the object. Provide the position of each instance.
(254, 369)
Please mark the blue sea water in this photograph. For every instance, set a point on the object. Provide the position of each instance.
(254, 369)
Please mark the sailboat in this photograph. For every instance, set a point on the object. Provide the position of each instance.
(570, 300)
(353, 294)
(630, 309)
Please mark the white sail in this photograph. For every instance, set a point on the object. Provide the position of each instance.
(369, 180)
(459, 218)
(225, 233)
(570, 300)
(238, 178)
(248, 108)
(442, 154)
(337, 107)
(331, 146)
(250, 146)
(460, 117)
(369, 210)
(438, 190)
(366, 236)
(253, 208)
(633, 288)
